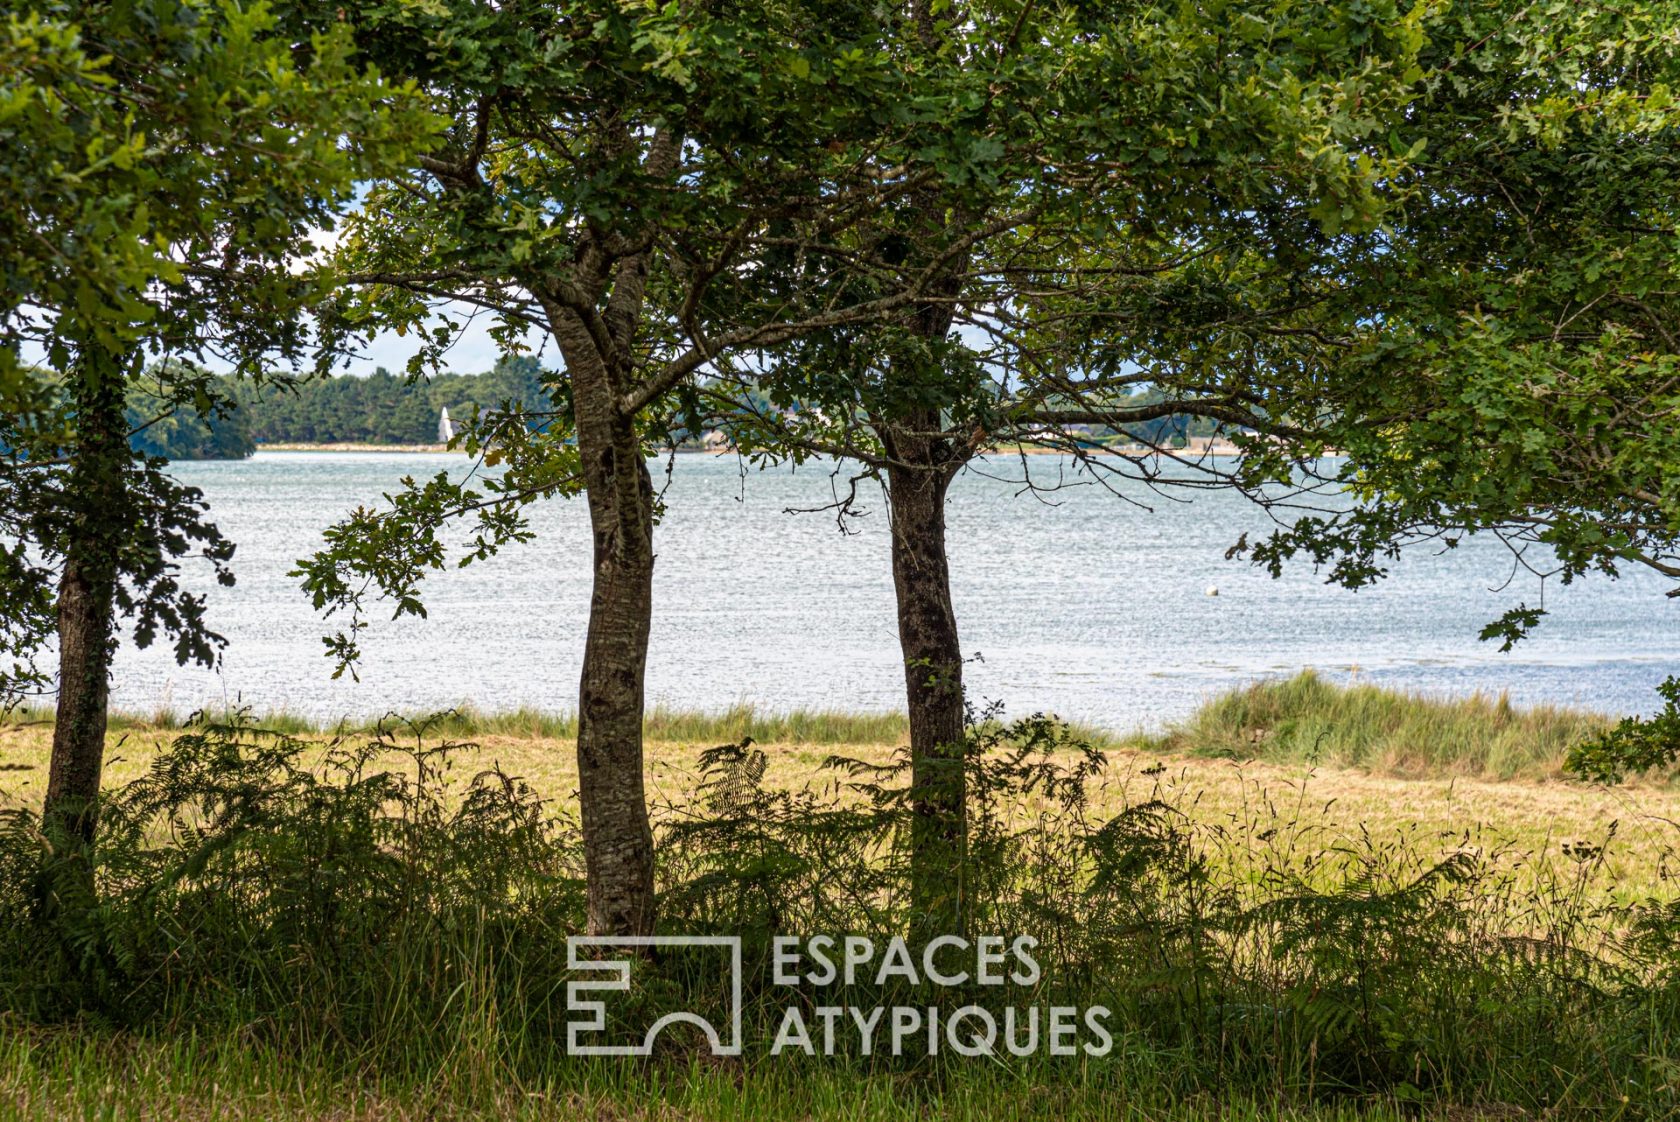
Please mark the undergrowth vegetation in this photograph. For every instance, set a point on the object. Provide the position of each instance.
(375, 909)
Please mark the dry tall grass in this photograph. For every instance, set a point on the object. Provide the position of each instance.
(1350, 759)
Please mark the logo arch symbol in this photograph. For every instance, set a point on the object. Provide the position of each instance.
(586, 1016)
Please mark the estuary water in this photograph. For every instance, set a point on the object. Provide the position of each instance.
(1080, 602)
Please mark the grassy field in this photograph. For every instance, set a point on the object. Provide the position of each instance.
(1327, 761)
(1289, 776)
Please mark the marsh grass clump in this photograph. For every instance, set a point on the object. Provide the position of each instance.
(363, 903)
(1306, 718)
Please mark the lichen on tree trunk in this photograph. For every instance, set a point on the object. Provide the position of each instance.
(918, 477)
(86, 602)
(618, 840)
(617, 834)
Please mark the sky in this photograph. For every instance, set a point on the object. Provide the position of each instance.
(474, 351)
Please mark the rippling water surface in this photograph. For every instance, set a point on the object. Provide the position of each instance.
(1085, 605)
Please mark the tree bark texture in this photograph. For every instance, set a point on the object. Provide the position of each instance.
(617, 834)
(86, 603)
(918, 478)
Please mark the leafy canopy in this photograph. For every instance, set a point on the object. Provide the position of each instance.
(163, 167)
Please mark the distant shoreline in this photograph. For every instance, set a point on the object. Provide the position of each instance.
(1195, 450)
(295, 447)
(290, 446)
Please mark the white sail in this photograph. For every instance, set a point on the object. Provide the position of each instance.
(446, 427)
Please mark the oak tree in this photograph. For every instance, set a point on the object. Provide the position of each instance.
(163, 167)
(615, 178)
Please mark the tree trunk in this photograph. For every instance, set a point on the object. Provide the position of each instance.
(618, 840)
(927, 634)
(87, 591)
(617, 836)
(597, 347)
(922, 461)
